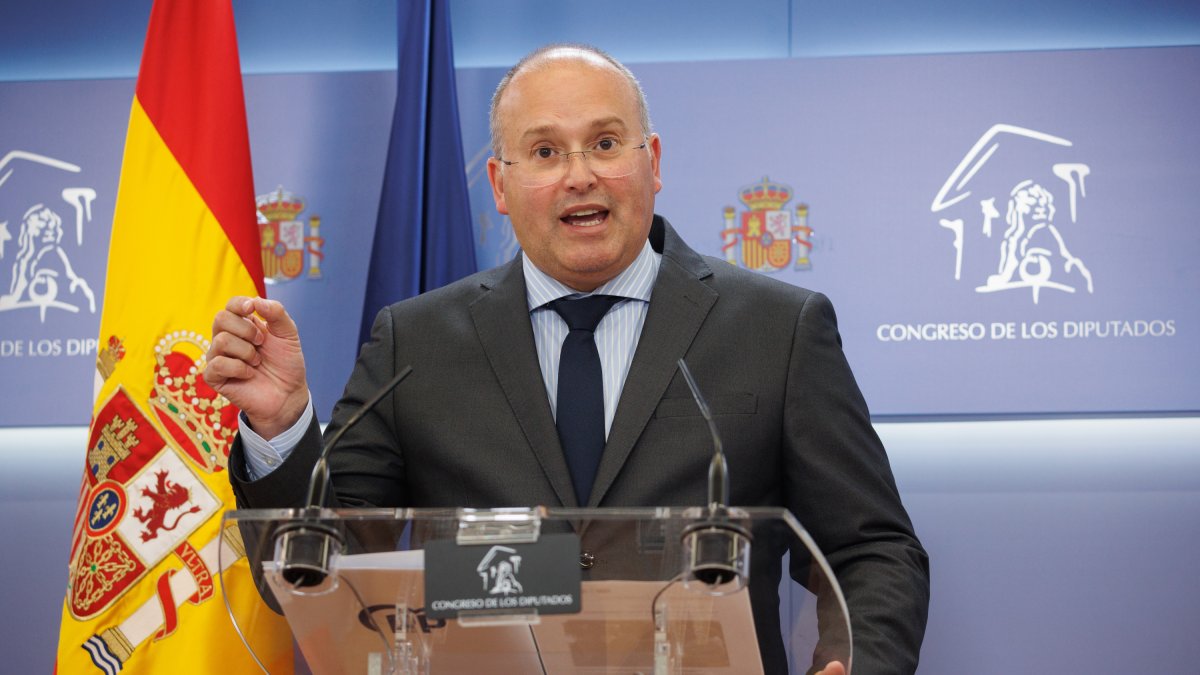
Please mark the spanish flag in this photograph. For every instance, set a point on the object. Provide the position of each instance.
(144, 593)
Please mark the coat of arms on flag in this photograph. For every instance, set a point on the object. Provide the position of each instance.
(285, 240)
(766, 238)
(142, 503)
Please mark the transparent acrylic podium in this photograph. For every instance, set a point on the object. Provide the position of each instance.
(638, 595)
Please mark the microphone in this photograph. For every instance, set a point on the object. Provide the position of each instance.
(322, 466)
(716, 550)
(718, 469)
(305, 549)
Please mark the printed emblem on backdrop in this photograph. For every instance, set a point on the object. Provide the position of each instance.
(766, 237)
(1016, 223)
(286, 239)
(35, 251)
(144, 499)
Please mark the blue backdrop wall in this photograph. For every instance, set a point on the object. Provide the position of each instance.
(1051, 478)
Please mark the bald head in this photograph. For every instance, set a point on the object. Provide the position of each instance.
(549, 55)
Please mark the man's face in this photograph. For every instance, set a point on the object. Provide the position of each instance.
(584, 229)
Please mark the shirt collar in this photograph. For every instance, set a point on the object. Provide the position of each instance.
(635, 282)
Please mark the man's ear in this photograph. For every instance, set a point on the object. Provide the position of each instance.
(655, 157)
(496, 178)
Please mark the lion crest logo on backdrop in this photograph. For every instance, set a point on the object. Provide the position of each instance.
(1031, 252)
(35, 261)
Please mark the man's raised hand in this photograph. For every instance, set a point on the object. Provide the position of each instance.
(255, 361)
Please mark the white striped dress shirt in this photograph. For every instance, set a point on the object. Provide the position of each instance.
(617, 334)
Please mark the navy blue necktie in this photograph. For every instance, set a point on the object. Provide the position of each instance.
(580, 408)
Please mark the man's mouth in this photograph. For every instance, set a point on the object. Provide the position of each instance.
(585, 217)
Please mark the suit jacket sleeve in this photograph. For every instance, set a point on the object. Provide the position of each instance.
(839, 484)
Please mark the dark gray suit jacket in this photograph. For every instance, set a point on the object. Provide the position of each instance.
(472, 425)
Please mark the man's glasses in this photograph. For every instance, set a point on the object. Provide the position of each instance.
(609, 157)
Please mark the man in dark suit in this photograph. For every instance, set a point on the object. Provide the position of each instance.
(576, 167)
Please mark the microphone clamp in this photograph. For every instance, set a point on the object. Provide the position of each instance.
(306, 552)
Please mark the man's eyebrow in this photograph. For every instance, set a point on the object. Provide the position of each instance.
(551, 129)
(541, 130)
(610, 121)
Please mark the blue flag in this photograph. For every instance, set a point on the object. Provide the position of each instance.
(423, 236)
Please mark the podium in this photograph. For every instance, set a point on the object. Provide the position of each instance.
(666, 591)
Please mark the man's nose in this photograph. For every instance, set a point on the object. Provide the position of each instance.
(578, 173)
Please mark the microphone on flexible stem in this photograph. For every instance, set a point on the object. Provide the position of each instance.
(306, 548)
(716, 550)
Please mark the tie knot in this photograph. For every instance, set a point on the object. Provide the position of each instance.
(584, 313)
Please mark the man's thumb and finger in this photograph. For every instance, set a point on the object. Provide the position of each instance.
(273, 318)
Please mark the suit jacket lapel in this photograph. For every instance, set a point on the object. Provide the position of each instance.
(501, 316)
(678, 306)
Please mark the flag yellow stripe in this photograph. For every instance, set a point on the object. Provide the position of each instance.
(170, 265)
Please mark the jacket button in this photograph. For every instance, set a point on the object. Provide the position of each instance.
(587, 560)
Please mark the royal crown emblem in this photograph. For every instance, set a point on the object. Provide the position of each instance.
(201, 422)
(768, 237)
(284, 240)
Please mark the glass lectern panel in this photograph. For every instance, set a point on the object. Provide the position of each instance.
(545, 590)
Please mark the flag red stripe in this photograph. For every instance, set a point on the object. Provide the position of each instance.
(197, 107)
